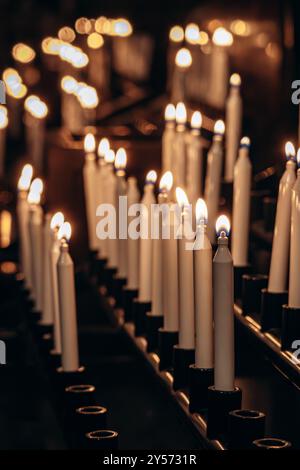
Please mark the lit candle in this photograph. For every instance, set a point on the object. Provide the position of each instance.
(204, 355)
(15, 92)
(133, 197)
(67, 302)
(71, 111)
(168, 138)
(23, 214)
(89, 180)
(179, 167)
(183, 61)
(241, 205)
(234, 114)
(35, 120)
(54, 252)
(223, 310)
(219, 67)
(185, 276)
(47, 310)
(35, 225)
(281, 239)
(145, 277)
(3, 126)
(294, 291)
(194, 172)
(165, 186)
(103, 148)
(120, 165)
(213, 177)
(176, 37)
(111, 195)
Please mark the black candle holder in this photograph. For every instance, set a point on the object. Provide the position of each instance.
(252, 285)
(153, 324)
(97, 269)
(199, 381)
(271, 309)
(238, 272)
(128, 296)
(220, 403)
(166, 341)
(290, 330)
(108, 275)
(64, 379)
(140, 310)
(117, 290)
(271, 443)
(227, 194)
(245, 426)
(79, 395)
(54, 361)
(102, 439)
(87, 419)
(182, 359)
(269, 211)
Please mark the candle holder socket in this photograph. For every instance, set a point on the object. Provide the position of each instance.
(290, 330)
(105, 439)
(182, 359)
(139, 316)
(271, 309)
(252, 285)
(65, 379)
(87, 419)
(166, 342)
(154, 322)
(244, 427)
(238, 272)
(271, 443)
(220, 403)
(128, 296)
(199, 381)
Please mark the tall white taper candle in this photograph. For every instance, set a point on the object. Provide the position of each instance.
(54, 252)
(179, 167)
(90, 188)
(47, 312)
(234, 114)
(103, 147)
(194, 170)
(294, 291)
(23, 214)
(168, 138)
(133, 196)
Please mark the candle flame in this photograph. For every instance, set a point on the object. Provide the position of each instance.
(69, 84)
(290, 150)
(109, 156)
(25, 178)
(203, 38)
(33, 197)
(65, 231)
(192, 33)
(51, 46)
(180, 113)
(103, 147)
(196, 121)
(3, 117)
(240, 27)
(201, 212)
(83, 25)
(89, 143)
(166, 181)
(87, 96)
(13, 83)
(176, 34)
(120, 159)
(36, 107)
(57, 220)
(245, 142)
(66, 34)
(222, 37)
(182, 199)
(235, 79)
(298, 157)
(219, 127)
(222, 225)
(121, 27)
(170, 112)
(23, 53)
(151, 177)
(95, 40)
(183, 58)
(37, 186)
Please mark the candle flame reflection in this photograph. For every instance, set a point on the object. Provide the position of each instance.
(223, 225)
(166, 181)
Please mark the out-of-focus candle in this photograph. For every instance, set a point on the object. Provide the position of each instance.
(219, 66)
(281, 239)
(120, 165)
(213, 177)
(23, 214)
(133, 197)
(241, 205)
(294, 291)
(194, 173)
(223, 310)
(111, 192)
(3, 126)
(89, 179)
(103, 148)
(168, 138)
(234, 114)
(67, 302)
(179, 168)
(35, 120)
(54, 252)
(183, 60)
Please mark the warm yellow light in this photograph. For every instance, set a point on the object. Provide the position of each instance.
(33, 197)
(222, 225)
(36, 107)
(25, 178)
(240, 28)
(176, 34)
(170, 112)
(95, 40)
(103, 147)
(73, 55)
(57, 220)
(99, 24)
(182, 199)
(121, 27)
(83, 25)
(69, 84)
(13, 83)
(203, 38)
(183, 58)
(180, 113)
(5, 229)
(120, 159)
(219, 127)
(87, 96)
(192, 33)
(65, 231)
(3, 117)
(23, 53)
(201, 212)
(214, 24)
(151, 177)
(89, 143)
(51, 45)
(66, 34)
(37, 186)
(222, 37)
(245, 142)
(166, 181)
(235, 80)
(196, 121)
(109, 156)
(289, 150)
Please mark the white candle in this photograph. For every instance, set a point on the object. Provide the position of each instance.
(120, 165)
(54, 252)
(219, 67)
(176, 37)
(294, 291)
(234, 114)
(89, 180)
(241, 205)
(67, 302)
(23, 214)
(223, 310)
(36, 112)
(103, 147)
(204, 354)
(47, 311)
(281, 239)
(3, 126)
(165, 186)
(133, 197)
(183, 60)
(145, 277)
(168, 138)
(194, 172)
(185, 276)
(213, 178)
(179, 167)
(111, 198)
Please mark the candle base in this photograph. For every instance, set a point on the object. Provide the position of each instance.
(153, 322)
(252, 286)
(166, 342)
(271, 309)
(244, 427)
(199, 381)
(290, 330)
(139, 316)
(105, 439)
(128, 297)
(220, 403)
(118, 285)
(182, 359)
(87, 419)
(271, 443)
(238, 272)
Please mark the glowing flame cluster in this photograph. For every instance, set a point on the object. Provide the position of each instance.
(36, 107)
(191, 34)
(23, 53)
(14, 84)
(66, 51)
(25, 177)
(3, 117)
(35, 191)
(119, 27)
(222, 37)
(86, 94)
